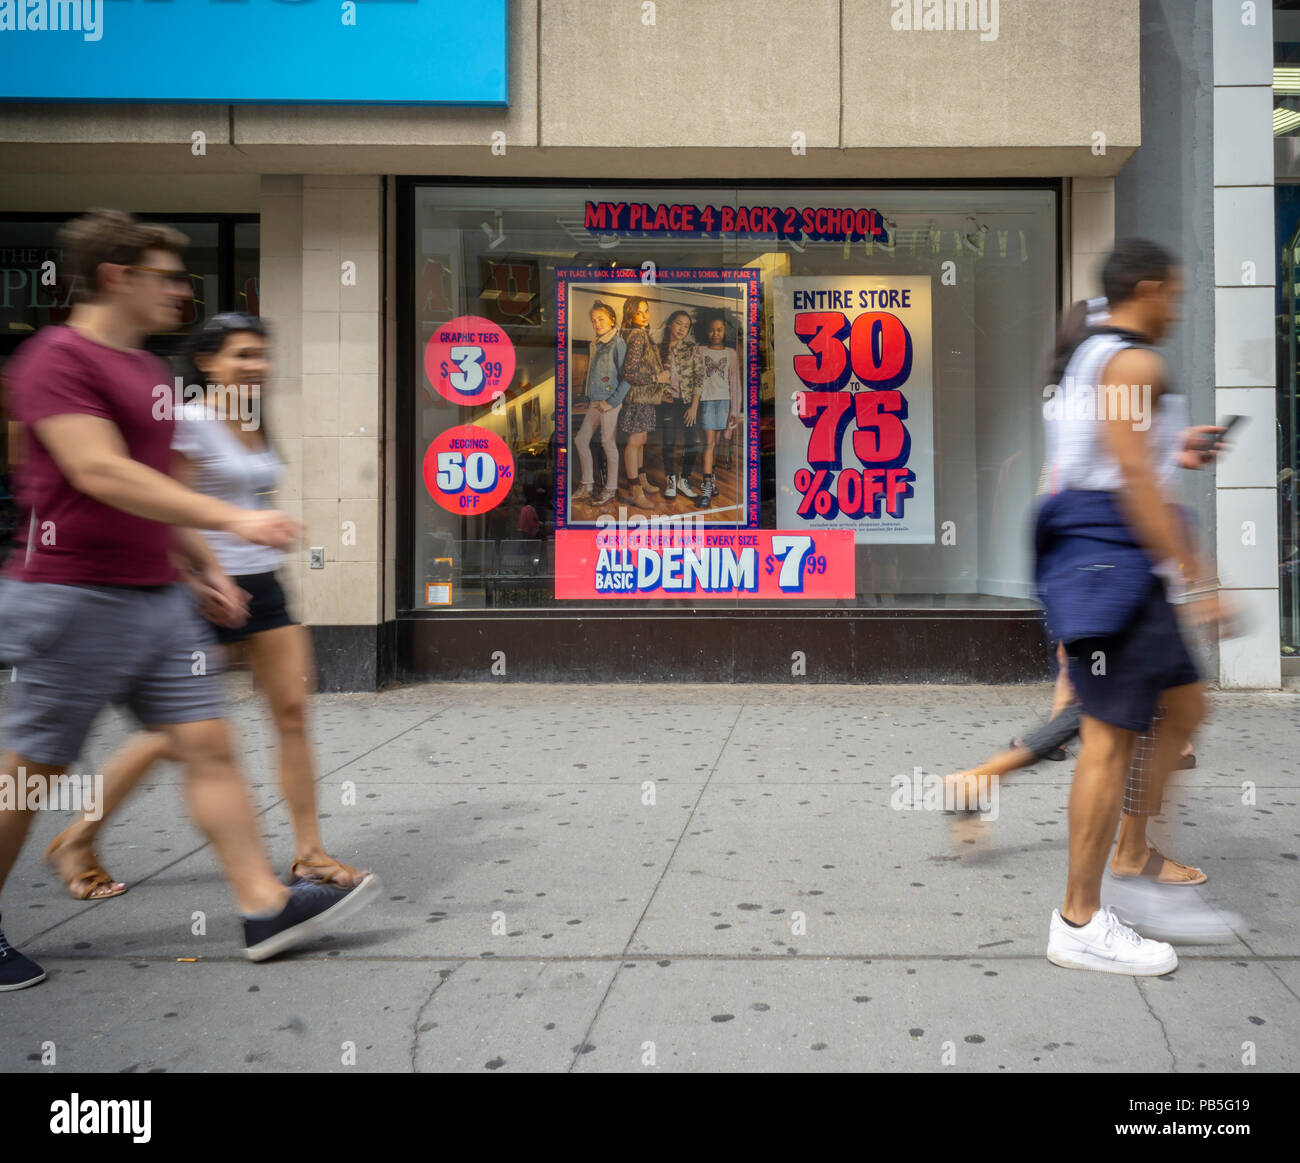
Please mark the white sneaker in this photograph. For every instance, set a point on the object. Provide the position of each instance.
(670, 489)
(1107, 945)
(684, 487)
(1168, 912)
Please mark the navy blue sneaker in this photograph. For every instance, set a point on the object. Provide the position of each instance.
(312, 909)
(17, 971)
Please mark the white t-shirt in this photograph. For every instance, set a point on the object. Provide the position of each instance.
(719, 371)
(225, 468)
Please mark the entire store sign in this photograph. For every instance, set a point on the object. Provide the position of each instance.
(855, 443)
(409, 52)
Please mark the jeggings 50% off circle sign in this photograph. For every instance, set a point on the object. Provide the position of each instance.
(468, 469)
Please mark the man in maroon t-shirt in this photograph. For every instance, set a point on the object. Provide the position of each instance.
(91, 611)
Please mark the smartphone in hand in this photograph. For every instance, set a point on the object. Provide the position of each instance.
(1227, 423)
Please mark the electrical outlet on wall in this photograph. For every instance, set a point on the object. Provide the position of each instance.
(318, 557)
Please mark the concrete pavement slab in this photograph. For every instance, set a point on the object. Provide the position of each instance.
(148, 1015)
(546, 860)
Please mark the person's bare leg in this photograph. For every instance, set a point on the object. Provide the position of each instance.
(15, 823)
(1012, 759)
(284, 666)
(1062, 692)
(223, 812)
(1095, 797)
(1184, 711)
(632, 460)
(75, 851)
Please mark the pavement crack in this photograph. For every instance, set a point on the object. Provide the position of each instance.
(1146, 1001)
(443, 976)
(686, 827)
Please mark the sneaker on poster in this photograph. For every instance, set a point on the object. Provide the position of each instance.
(1107, 945)
(670, 489)
(583, 493)
(684, 487)
(707, 492)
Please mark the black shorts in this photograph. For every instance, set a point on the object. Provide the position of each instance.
(1119, 679)
(267, 609)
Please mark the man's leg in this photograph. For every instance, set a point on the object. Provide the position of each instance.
(223, 812)
(1095, 796)
(18, 971)
(15, 822)
(1182, 710)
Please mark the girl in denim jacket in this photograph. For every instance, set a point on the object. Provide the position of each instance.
(605, 390)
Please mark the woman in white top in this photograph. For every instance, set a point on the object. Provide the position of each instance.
(221, 447)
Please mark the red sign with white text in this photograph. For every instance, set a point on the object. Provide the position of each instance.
(693, 562)
(468, 469)
(470, 360)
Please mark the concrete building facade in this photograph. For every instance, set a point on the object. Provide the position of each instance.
(986, 109)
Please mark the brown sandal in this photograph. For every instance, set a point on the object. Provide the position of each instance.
(1155, 867)
(84, 885)
(329, 871)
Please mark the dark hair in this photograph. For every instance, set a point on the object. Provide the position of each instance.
(1133, 261)
(706, 321)
(668, 332)
(211, 338)
(111, 236)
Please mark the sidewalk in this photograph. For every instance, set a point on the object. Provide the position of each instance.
(632, 935)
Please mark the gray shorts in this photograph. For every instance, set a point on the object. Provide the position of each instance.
(77, 649)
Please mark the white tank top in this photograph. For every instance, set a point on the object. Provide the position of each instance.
(225, 467)
(1076, 455)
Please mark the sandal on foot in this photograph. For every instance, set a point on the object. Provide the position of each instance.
(86, 885)
(1153, 870)
(329, 871)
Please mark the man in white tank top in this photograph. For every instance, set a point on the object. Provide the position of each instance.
(1115, 435)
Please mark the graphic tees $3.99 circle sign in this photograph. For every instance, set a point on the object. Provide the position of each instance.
(468, 470)
(469, 360)
(855, 448)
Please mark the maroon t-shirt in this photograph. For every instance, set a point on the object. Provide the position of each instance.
(72, 539)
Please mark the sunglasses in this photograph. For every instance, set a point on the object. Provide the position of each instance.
(177, 278)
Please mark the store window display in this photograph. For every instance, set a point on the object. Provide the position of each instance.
(703, 417)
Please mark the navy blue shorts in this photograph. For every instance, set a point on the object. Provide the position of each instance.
(1119, 679)
(267, 608)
